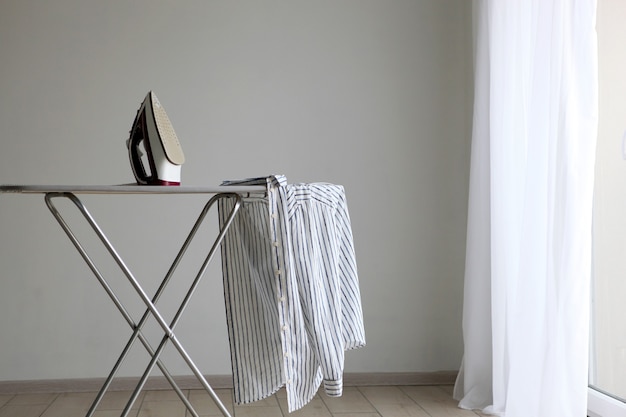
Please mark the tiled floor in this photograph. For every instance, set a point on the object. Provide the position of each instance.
(385, 401)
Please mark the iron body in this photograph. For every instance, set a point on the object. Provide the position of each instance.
(162, 157)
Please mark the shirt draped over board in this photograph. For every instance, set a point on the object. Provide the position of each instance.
(293, 305)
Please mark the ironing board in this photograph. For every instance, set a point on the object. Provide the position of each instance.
(71, 192)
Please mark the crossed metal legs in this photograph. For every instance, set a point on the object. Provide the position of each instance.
(151, 309)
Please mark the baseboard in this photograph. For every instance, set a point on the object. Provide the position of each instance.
(400, 378)
(216, 382)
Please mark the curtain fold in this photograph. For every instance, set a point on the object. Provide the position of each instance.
(528, 260)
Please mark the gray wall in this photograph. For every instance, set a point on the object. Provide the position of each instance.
(373, 95)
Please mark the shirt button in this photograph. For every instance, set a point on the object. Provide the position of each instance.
(277, 272)
(282, 299)
(276, 244)
(284, 328)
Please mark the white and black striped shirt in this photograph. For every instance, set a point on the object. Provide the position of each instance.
(291, 288)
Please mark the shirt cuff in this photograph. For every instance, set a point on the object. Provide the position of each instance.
(333, 388)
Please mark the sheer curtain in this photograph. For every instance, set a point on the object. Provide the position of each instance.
(528, 261)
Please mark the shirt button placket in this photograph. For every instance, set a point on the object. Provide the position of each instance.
(281, 288)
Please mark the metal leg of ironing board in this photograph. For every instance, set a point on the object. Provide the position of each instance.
(159, 292)
(169, 335)
(116, 301)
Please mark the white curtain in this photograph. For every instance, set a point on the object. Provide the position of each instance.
(528, 261)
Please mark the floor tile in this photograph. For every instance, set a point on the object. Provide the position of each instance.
(32, 399)
(74, 400)
(254, 411)
(401, 410)
(77, 404)
(352, 401)
(162, 409)
(429, 392)
(22, 410)
(163, 395)
(65, 412)
(205, 406)
(315, 408)
(449, 389)
(117, 400)
(114, 413)
(386, 395)
(436, 401)
(5, 399)
(281, 393)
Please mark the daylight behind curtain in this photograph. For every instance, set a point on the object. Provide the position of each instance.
(528, 261)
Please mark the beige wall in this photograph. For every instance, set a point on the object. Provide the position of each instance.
(608, 371)
(370, 94)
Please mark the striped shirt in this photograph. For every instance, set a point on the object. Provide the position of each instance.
(291, 290)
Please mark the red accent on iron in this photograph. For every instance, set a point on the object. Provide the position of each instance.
(163, 182)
